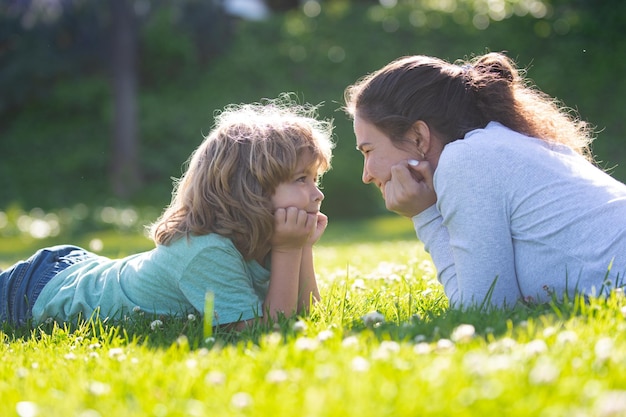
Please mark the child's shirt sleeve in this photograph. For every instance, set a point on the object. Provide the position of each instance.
(238, 286)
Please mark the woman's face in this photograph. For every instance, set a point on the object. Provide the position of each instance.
(379, 153)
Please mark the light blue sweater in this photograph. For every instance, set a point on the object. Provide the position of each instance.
(536, 216)
(168, 280)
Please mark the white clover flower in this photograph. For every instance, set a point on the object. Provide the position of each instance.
(116, 352)
(49, 320)
(136, 309)
(215, 378)
(241, 400)
(306, 343)
(611, 403)
(419, 338)
(26, 409)
(549, 331)
(463, 333)
(603, 348)
(445, 345)
(422, 348)
(350, 341)
(358, 285)
(503, 345)
(536, 347)
(360, 364)
(324, 335)
(566, 336)
(191, 317)
(385, 350)
(544, 372)
(373, 318)
(299, 326)
(276, 376)
(98, 388)
(156, 324)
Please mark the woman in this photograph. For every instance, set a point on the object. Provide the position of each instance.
(496, 176)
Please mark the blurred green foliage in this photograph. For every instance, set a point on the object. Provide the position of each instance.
(56, 134)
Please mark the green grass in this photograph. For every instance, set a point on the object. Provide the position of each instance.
(558, 359)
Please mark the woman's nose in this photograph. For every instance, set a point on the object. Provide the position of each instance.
(366, 178)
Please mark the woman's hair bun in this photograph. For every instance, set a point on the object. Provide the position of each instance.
(496, 64)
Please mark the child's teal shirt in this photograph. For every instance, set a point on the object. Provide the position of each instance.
(168, 280)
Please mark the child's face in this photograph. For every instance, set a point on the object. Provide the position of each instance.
(301, 190)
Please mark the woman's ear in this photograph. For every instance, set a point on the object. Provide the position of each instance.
(422, 136)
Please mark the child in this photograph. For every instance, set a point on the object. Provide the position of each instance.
(241, 224)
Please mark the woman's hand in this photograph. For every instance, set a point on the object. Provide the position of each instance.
(293, 228)
(410, 189)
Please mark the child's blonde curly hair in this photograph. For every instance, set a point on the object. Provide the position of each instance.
(232, 175)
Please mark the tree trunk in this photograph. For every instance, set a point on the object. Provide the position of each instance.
(125, 172)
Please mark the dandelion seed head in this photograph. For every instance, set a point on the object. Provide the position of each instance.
(191, 317)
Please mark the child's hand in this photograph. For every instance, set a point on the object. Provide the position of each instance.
(320, 227)
(292, 228)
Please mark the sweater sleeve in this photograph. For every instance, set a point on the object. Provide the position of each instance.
(471, 187)
(431, 231)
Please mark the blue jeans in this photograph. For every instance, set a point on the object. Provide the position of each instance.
(21, 284)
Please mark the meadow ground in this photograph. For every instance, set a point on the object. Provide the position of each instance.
(382, 342)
